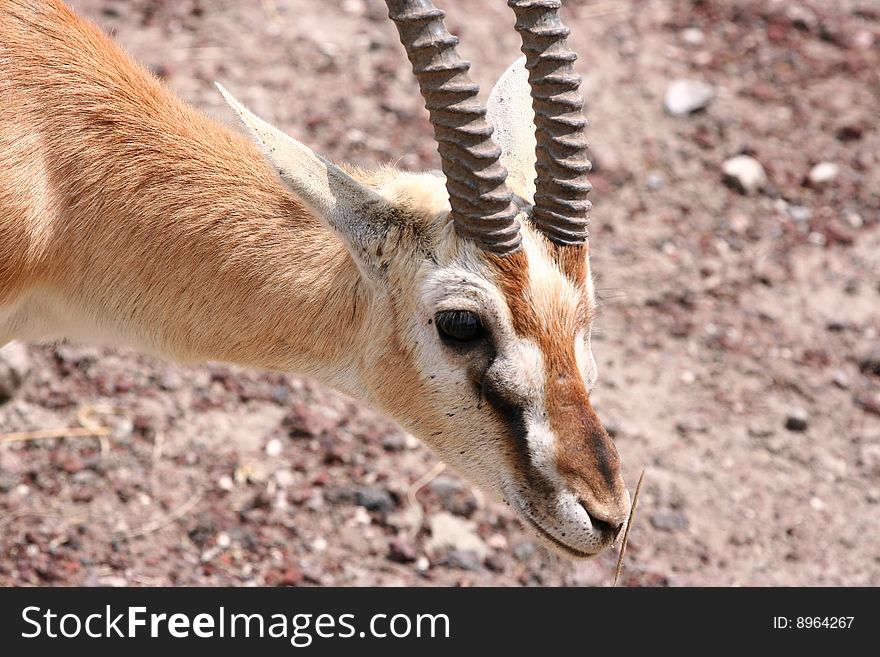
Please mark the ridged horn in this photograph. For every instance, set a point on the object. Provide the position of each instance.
(561, 208)
(482, 206)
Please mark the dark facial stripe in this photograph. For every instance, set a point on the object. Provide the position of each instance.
(512, 416)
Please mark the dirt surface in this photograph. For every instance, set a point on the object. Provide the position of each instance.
(737, 343)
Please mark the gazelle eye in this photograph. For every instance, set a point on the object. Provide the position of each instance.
(459, 325)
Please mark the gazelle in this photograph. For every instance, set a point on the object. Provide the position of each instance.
(460, 304)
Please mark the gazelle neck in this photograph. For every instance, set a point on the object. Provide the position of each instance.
(227, 276)
(162, 230)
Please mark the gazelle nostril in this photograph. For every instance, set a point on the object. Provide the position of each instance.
(603, 527)
(610, 528)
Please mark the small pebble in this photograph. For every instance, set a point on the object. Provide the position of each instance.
(685, 96)
(362, 516)
(285, 478)
(400, 550)
(374, 499)
(523, 551)
(797, 420)
(759, 430)
(840, 379)
(744, 174)
(854, 219)
(273, 448)
(497, 542)
(693, 36)
(495, 563)
(464, 560)
(869, 362)
(799, 213)
(394, 442)
(817, 238)
(654, 180)
(823, 173)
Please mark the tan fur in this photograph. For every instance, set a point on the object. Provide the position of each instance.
(145, 213)
(128, 217)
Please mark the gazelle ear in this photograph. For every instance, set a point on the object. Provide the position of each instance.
(354, 212)
(510, 112)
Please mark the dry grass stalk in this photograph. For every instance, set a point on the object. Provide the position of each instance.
(629, 523)
(63, 432)
(414, 508)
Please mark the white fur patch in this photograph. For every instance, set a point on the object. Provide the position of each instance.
(551, 290)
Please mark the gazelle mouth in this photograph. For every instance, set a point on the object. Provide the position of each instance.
(558, 543)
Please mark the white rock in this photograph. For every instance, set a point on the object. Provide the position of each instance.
(273, 448)
(451, 531)
(361, 516)
(684, 96)
(744, 173)
(497, 542)
(801, 16)
(823, 173)
(210, 554)
(817, 238)
(285, 478)
(693, 36)
(739, 222)
(799, 213)
(854, 219)
(654, 180)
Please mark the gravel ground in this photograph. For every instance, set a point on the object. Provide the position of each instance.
(737, 248)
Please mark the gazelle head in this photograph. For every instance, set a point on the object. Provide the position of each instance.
(477, 337)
